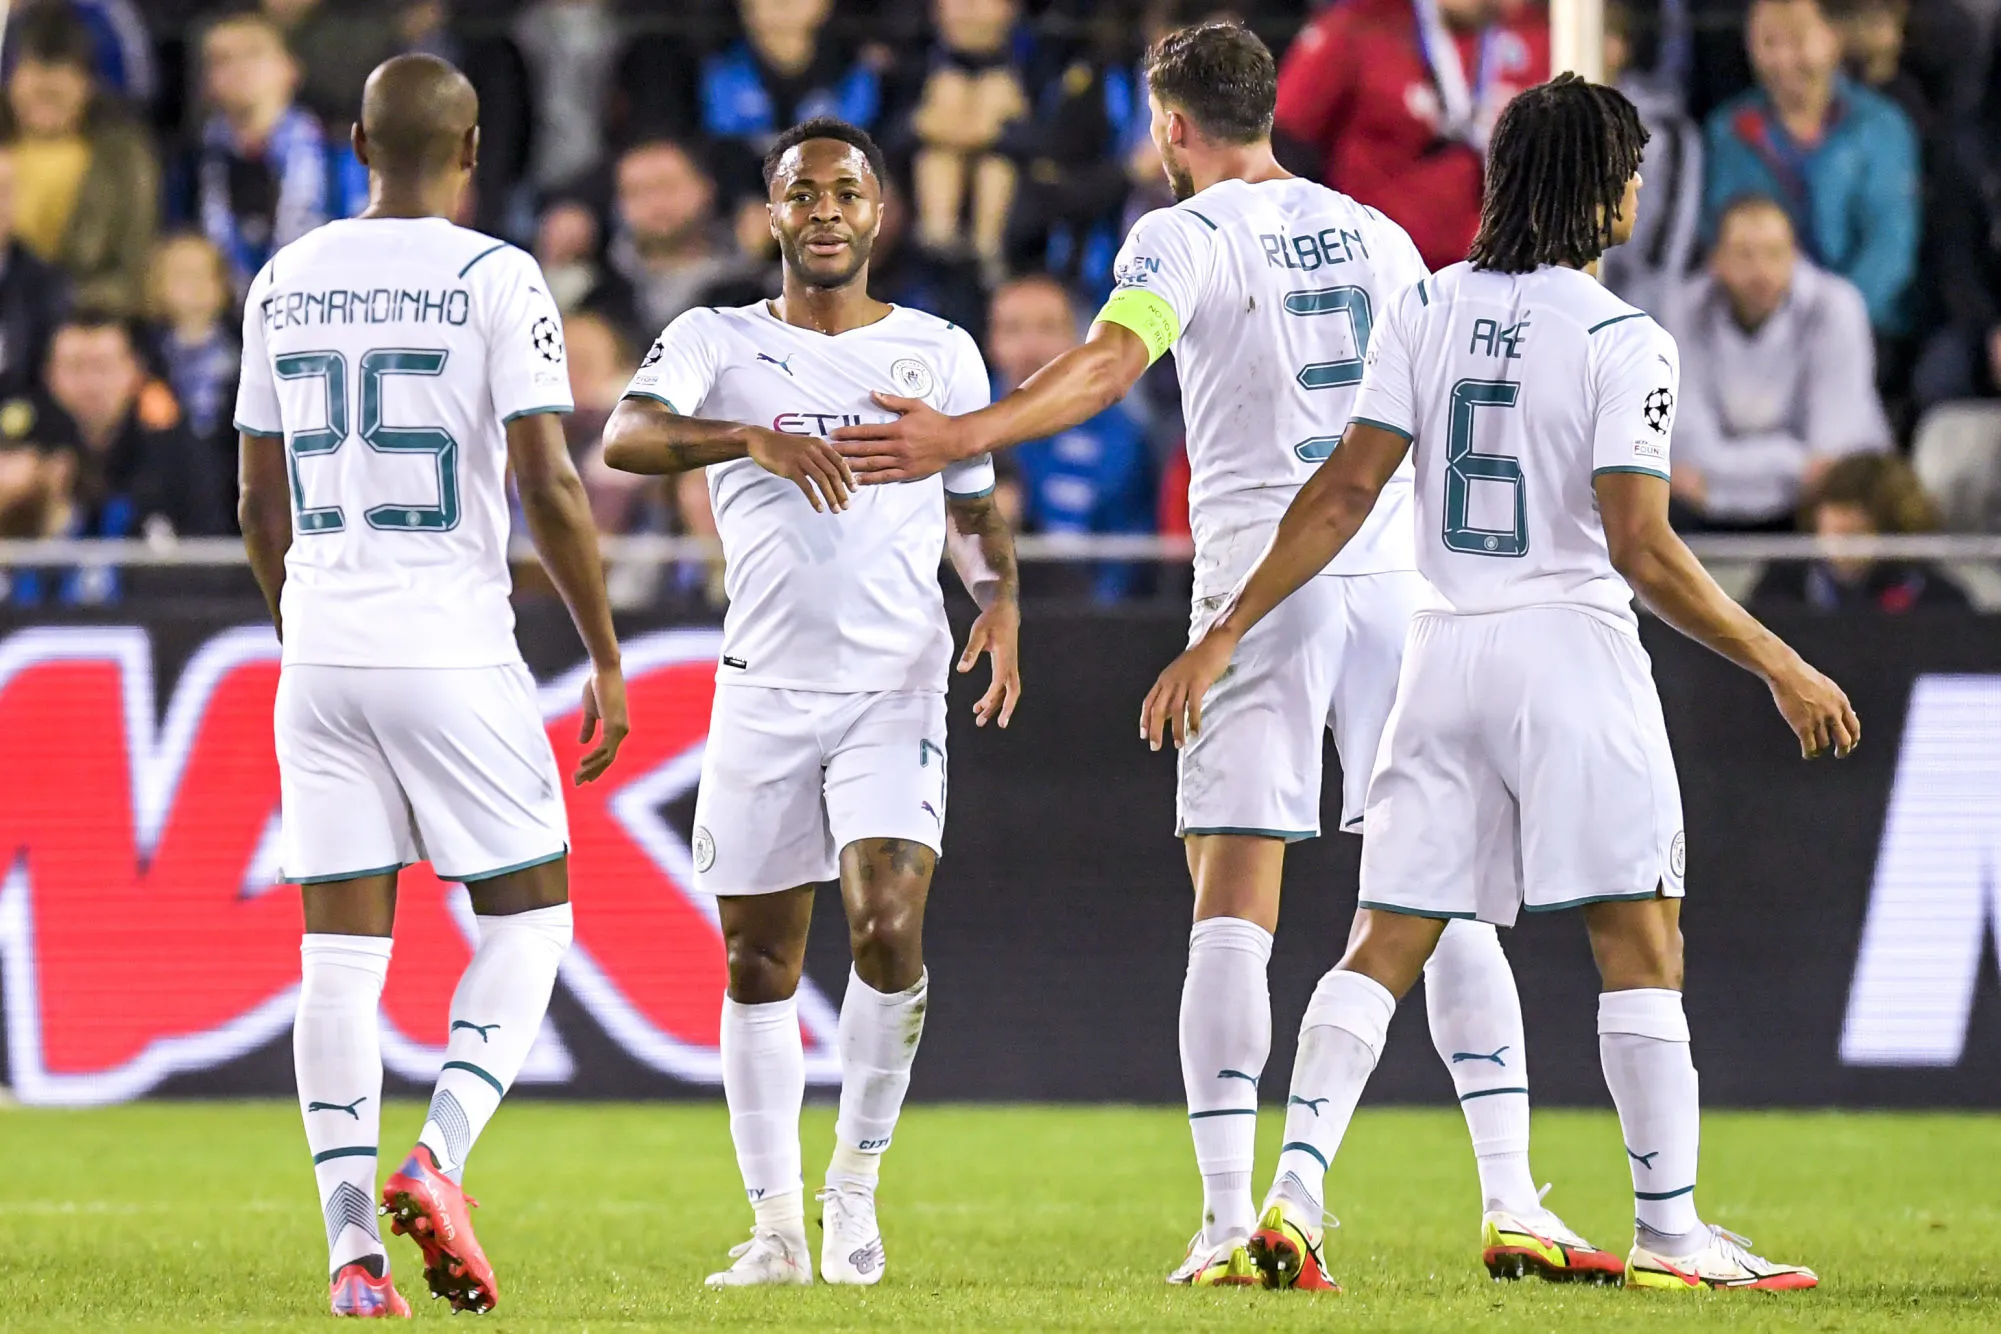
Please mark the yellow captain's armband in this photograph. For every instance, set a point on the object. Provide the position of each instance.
(1146, 314)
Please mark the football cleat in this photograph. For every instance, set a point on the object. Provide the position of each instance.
(1286, 1250)
(1516, 1245)
(851, 1242)
(767, 1259)
(1227, 1264)
(1725, 1262)
(429, 1207)
(354, 1291)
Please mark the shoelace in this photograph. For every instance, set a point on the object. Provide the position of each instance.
(1742, 1245)
(743, 1248)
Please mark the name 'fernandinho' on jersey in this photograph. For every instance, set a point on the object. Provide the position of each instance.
(390, 353)
(1268, 293)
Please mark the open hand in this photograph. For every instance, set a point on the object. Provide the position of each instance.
(920, 442)
(1175, 702)
(806, 460)
(1817, 711)
(997, 633)
(604, 715)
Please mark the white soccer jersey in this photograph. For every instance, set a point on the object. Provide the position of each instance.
(845, 601)
(390, 353)
(1515, 390)
(1274, 288)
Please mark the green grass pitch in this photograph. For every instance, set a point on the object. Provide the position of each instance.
(198, 1216)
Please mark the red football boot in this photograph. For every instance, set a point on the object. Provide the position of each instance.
(429, 1207)
(356, 1292)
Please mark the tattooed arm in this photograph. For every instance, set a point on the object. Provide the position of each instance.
(644, 435)
(982, 550)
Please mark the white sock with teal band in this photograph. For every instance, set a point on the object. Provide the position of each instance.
(337, 1052)
(1643, 1045)
(1476, 1024)
(1225, 1038)
(1340, 1040)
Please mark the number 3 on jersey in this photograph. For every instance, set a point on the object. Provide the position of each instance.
(331, 368)
(1463, 468)
(1342, 372)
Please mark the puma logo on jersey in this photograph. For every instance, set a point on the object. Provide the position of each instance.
(931, 811)
(785, 365)
(481, 1029)
(1494, 1056)
(1645, 1160)
(348, 1107)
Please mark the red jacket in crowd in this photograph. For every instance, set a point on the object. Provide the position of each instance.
(1356, 87)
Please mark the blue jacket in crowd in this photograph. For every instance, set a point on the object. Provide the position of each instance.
(1093, 478)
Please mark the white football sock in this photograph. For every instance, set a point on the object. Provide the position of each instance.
(1476, 1025)
(1340, 1040)
(1643, 1045)
(878, 1038)
(1225, 1038)
(764, 1082)
(337, 1052)
(496, 1016)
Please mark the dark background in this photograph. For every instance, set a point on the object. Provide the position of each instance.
(1058, 928)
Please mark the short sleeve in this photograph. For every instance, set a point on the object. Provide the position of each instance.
(526, 363)
(257, 411)
(968, 389)
(1388, 396)
(1161, 276)
(680, 368)
(1636, 377)
(1401, 264)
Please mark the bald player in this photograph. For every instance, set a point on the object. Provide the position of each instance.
(395, 366)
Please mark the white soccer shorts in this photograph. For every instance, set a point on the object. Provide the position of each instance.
(1325, 658)
(1526, 764)
(379, 767)
(790, 777)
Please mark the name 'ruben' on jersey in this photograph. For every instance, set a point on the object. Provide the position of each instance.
(847, 601)
(1516, 390)
(1272, 290)
(390, 353)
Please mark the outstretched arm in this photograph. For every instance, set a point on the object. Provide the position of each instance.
(264, 509)
(1069, 391)
(644, 435)
(559, 522)
(1669, 579)
(1328, 511)
(982, 551)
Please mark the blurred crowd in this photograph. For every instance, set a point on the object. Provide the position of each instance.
(1821, 223)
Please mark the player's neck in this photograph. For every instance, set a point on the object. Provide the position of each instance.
(829, 310)
(1251, 163)
(412, 199)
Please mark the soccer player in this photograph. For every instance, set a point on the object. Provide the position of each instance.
(826, 750)
(1526, 763)
(395, 367)
(1267, 288)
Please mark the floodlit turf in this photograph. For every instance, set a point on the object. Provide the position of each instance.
(203, 1215)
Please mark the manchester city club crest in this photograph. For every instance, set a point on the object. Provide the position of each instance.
(912, 378)
(704, 849)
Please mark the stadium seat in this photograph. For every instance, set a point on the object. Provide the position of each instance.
(1957, 455)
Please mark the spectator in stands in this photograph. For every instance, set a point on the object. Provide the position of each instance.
(568, 247)
(1777, 377)
(191, 306)
(669, 253)
(571, 47)
(1649, 268)
(1962, 359)
(786, 68)
(972, 91)
(1392, 101)
(337, 43)
(947, 286)
(266, 171)
(1096, 478)
(1070, 151)
(1872, 49)
(1841, 160)
(1860, 496)
(498, 74)
(123, 60)
(33, 297)
(86, 187)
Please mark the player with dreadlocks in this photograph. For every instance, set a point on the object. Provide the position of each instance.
(1539, 409)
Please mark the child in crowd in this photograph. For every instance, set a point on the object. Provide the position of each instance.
(191, 306)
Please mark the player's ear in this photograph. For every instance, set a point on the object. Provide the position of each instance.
(771, 219)
(469, 150)
(359, 138)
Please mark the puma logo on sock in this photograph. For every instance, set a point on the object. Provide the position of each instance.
(1645, 1160)
(484, 1029)
(1494, 1056)
(1310, 1104)
(348, 1107)
(1236, 1074)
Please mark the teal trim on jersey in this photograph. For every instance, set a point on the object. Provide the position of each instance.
(472, 1069)
(1303, 1147)
(969, 495)
(478, 876)
(1210, 225)
(391, 869)
(1402, 911)
(1288, 835)
(1606, 324)
(513, 417)
(1488, 1093)
(261, 435)
(1623, 467)
(1226, 1111)
(1381, 426)
(641, 393)
(1592, 898)
(1661, 1195)
(358, 1151)
(497, 245)
(1423, 297)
